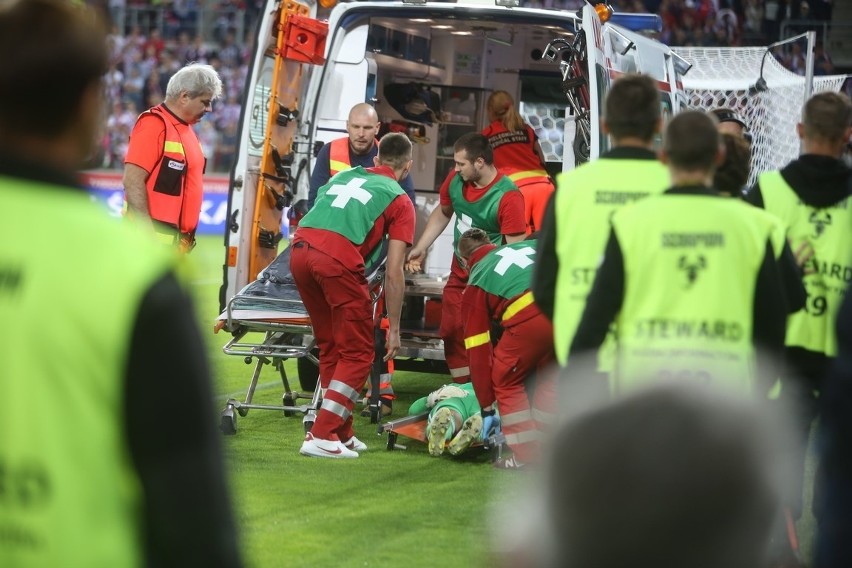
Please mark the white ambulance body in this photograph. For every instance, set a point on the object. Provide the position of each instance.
(460, 52)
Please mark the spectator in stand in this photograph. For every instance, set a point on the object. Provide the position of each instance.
(229, 53)
(132, 51)
(774, 12)
(155, 41)
(228, 113)
(822, 61)
(133, 85)
(729, 24)
(797, 59)
(753, 19)
(198, 51)
(152, 92)
(227, 147)
(115, 42)
(113, 81)
(182, 47)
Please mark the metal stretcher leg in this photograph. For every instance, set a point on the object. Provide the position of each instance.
(228, 421)
(376, 373)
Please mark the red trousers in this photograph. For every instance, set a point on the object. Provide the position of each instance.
(341, 310)
(452, 329)
(523, 349)
(536, 194)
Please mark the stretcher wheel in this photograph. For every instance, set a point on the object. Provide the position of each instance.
(308, 424)
(289, 400)
(374, 413)
(228, 421)
(391, 440)
(308, 372)
(243, 411)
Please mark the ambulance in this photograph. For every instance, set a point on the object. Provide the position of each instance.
(428, 68)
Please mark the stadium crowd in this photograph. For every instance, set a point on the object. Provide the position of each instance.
(150, 41)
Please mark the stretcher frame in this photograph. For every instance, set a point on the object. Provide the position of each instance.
(284, 339)
(414, 427)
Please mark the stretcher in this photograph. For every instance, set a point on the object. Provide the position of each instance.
(414, 427)
(272, 307)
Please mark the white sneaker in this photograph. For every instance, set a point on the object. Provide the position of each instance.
(355, 445)
(319, 448)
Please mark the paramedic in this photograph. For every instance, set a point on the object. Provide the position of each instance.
(811, 196)
(576, 222)
(498, 295)
(690, 280)
(357, 149)
(518, 154)
(89, 476)
(352, 215)
(165, 162)
(480, 197)
(454, 420)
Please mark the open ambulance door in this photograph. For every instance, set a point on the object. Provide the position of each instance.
(599, 79)
(347, 78)
(629, 51)
(611, 51)
(261, 184)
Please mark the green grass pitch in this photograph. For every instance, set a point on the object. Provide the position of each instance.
(386, 509)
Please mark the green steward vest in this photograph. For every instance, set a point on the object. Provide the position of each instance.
(71, 283)
(585, 201)
(479, 214)
(690, 270)
(829, 232)
(505, 271)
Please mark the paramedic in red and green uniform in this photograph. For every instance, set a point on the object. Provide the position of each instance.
(690, 280)
(480, 197)
(98, 331)
(357, 149)
(811, 197)
(518, 154)
(354, 212)
(498, 297)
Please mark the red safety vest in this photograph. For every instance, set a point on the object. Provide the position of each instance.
(338, 156)
(167, 188)
(514, 154)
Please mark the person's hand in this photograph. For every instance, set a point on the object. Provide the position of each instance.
(490, 423)
(414, 260)
(804, 253)
(393, 344)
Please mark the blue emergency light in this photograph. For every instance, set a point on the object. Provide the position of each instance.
(637, 22)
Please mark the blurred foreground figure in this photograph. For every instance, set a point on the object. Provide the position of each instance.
(833, 496)
(98, 332)
(667, 477)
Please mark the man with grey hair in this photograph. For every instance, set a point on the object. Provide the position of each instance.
(164, 163)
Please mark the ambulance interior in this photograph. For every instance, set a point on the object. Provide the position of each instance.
(447, 64)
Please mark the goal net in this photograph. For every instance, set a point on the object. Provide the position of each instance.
(725, 77)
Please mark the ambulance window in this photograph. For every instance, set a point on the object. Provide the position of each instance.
(351, 49)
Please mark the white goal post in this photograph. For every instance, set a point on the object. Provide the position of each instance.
(726, 77)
